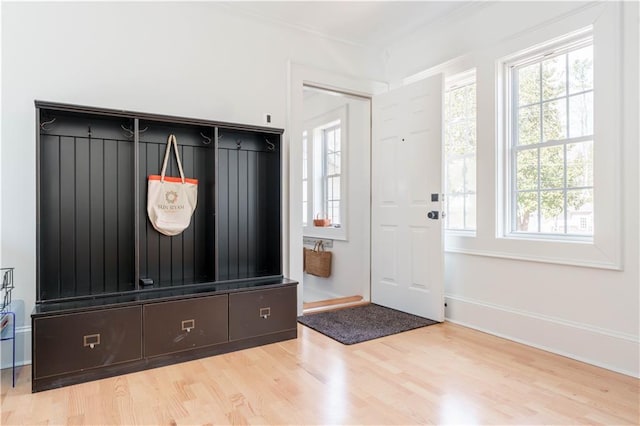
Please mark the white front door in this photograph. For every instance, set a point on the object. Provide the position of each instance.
(407, 249)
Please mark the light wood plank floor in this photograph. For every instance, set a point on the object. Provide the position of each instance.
(441, 374)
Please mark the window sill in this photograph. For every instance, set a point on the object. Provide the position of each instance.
(588, 254)
(325, 232)
(552, 238)
(460, 233)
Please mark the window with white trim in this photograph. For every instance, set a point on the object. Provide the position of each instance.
(324, 174)
(551, 142)
(460, 152)
(331, 168)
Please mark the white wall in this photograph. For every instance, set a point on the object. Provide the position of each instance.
(192, 59)
(350, 258)
(585, 313)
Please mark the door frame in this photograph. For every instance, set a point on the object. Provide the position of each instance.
(298, 76)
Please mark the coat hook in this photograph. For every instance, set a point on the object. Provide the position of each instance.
(207, 140)
(45, 123)
(270, 145)
(131, 132)
(127, 130)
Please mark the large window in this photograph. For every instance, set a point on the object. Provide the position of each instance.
(551, 142)
(460, 152)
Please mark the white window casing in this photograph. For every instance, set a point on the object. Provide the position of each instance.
(603, 22)
(317, 179)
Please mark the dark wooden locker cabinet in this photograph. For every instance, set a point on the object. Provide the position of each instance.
(112, 294)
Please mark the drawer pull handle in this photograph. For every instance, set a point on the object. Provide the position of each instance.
(188, 325)
(91, 340)
(265, 312)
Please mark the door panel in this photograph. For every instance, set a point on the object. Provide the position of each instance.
(388, 170)
(407, 269)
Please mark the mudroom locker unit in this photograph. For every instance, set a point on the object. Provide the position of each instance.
(114, 295)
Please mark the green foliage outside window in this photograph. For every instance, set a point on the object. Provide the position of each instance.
(554, 102)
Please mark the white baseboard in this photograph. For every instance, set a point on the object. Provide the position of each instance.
(614, 351)
(23, 347)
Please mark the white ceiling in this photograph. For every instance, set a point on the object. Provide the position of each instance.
(375, 24)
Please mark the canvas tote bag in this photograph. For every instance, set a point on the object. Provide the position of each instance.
(171, 200)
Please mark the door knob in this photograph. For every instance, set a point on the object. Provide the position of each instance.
(433, 214)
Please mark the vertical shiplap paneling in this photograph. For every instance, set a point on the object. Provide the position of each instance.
(263, 208)
(243, 216)
(50, 217)
(125, 214)
(142, 211)
(97, 214)
(83, 216)
(187, 240)
(67, 217)
(223, 213)
(273, 242)
(199, 221)
(177, 240)
(232, 241)
(152, 236)
(252, 212)
(164, 259)
(111, 207)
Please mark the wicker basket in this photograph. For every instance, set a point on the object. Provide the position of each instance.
(317, 261)
(321, 222)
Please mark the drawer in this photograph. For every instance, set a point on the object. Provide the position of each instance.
(74, 342)
(185, 324)
(256, 313)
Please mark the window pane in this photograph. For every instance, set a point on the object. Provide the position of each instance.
(527, 169)
(455, 218)
(581, 115)
(333, 188)
(460, 137)
(470, 173)
(552, 167)
(460, 148)
(527, 212)
(554, 77)
(304, 157)
(304, 212)
(581, 70)
(470, 211)
(529, 125)
(552, 212)
(580, 212)
(333, 164)
(580, 164)
(529, 84)
(455, 175)
(334, 212)
(554, 116)
(330, 139)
